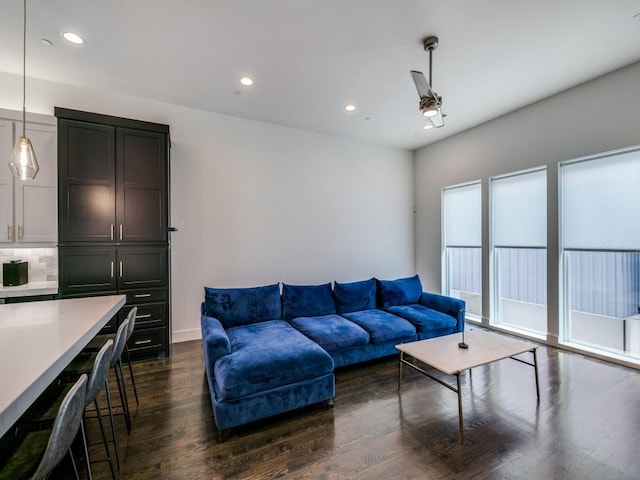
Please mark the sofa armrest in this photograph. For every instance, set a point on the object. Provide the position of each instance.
(449, 305)
(215, 342)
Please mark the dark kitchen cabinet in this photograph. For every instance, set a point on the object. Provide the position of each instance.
(113, 219)
(113, 183)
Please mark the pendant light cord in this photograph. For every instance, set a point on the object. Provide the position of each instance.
(24, 68)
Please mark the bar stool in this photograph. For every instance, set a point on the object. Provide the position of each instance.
(132, 325)
(97, 365)
(113, 360)
(116, 362)
(35, 455)
(99, 340)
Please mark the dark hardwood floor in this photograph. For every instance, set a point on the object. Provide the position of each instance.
(585, 426)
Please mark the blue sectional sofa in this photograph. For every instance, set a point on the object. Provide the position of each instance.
(267, 351)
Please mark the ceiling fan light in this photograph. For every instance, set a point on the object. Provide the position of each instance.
(428, 112)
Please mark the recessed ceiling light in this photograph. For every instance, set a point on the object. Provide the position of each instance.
(73, 38)
(46, 42)
(246, 81)
(349, 107)
(428, 126)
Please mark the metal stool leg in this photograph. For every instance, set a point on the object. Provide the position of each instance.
(133, 380)
(113, 425)
(86, 450)
(104, 439)
(117, 367)
(73, 463)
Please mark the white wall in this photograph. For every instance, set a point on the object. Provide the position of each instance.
(256, 203)
(598, 116)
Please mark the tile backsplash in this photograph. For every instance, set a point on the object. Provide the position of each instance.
(43, 262)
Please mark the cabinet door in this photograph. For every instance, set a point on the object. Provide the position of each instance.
(141, 187)
(142, 267)
(6, 182)
(87, 181)
(87, 270)
(36, 208)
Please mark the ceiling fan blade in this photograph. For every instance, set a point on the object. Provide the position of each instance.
(437, 120)
(423, 87)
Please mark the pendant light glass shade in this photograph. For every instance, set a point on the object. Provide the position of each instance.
(24, 164)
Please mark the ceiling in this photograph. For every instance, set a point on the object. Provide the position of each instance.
(308, 58)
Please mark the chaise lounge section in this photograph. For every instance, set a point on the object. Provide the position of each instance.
(268, 352)
(258, 365)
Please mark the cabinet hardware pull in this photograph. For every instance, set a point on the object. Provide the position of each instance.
(142, 295)
(121, 268)
(121, 230)
(143, 342)
(9, 232)
(20, 232)
(146, 315)
(113, 229)
(111, 269)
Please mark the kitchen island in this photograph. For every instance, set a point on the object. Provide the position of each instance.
(38, 340)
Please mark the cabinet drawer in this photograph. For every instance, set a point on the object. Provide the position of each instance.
(147, 341)
(148, 295)
(148, 315)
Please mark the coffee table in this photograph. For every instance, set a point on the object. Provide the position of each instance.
(443, 354)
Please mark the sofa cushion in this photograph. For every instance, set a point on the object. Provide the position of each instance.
(331, 332)
(243, 306)
(424, 318)
(355, 296)
(267, 355)
(403, 291)
(307, 300)
(381, 326)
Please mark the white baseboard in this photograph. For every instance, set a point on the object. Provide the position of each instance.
(186, 335)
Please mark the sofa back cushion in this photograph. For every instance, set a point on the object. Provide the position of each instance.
(307, 300)
(403, 291)
(355, 296)
(243, 306)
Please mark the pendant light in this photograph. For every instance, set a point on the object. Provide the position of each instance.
(24, 164)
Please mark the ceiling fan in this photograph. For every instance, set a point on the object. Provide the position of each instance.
(430, 102)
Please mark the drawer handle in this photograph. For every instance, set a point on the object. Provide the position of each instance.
(146, 315)
(143, 342)
(142, 295)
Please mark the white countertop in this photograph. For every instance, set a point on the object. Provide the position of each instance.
(30, 289)
(38, 340)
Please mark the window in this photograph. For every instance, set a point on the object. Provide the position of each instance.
(600, 241)
(462, 245)
(519, 251)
